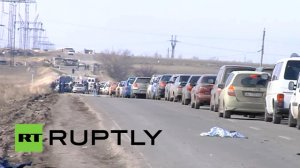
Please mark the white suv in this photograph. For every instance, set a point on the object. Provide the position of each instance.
(278, 94)
(294, 117)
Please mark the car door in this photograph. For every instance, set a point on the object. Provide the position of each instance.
(272, 87)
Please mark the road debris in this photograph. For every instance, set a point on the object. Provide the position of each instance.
(220, 132)
(5, 164)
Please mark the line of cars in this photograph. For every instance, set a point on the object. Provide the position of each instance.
(235, 90)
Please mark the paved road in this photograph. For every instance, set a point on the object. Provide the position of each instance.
(180, 143)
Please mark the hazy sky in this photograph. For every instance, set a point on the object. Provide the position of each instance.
(223, 29)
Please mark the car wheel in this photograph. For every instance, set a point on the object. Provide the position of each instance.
(220, 114)
(291, 121)
(216, 108)
(251, 116)
(268, 118)
(211, 107)
(298, 119)
(276, 117)
(227, 114)
(192, 103)
(197, 105)
(186, 101)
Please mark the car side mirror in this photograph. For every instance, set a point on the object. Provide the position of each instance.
(221, 86)
(292, 86)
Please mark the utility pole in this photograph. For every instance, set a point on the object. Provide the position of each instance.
(168, 53)
(262, 48)
(173, 44)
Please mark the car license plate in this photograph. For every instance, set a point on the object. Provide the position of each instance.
(253, 94)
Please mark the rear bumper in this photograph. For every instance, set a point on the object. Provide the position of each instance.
(282, 110)
(204, 99)
(139, 92)
(161, 92)
(247, 107)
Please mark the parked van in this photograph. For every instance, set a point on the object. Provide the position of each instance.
(278, 94)
(221, 78)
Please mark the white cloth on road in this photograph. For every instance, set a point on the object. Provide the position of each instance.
(220, 132)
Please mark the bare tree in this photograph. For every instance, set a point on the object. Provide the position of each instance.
(117, 65)
(145, 70)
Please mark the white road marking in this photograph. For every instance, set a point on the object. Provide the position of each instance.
(255, 128)
(285, 137)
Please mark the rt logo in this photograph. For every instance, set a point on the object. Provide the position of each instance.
(29, 137)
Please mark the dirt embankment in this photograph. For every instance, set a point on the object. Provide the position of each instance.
(25, 97)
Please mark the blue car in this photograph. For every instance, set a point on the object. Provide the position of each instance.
(126, 91)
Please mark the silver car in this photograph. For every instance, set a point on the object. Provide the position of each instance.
(139, 87)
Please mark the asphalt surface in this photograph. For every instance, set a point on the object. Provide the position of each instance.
(180, 144)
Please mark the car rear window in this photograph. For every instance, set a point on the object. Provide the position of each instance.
(251, 80)
(292, 70)
(229, 70)
(194, 79)
(184, 78)
(131, 80)
(166, 77)
(142, 80)
(208, 79)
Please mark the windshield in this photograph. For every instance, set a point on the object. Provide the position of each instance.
(166, 78)
(142, 80)
(208, 79)
(229, 70)
(292, 70)
(251, 80)
(194, 79)
(184, 78)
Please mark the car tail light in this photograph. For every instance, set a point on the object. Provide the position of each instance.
(162, 84)
(189, 87)
(280, 100)
(231, 90)
(135, 86)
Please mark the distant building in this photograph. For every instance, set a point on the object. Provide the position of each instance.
(87, 51)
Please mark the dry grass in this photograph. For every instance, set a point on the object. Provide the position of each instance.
(16, 82)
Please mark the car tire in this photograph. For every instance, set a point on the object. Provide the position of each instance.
(291, 121)
(216, 108)
(192, 103)
(186, 101)
(211, 107)
(252, 116)
(227, 114)
(197, 105)
(276, 117)
(298, 120)
(220, 114)
(267, 118)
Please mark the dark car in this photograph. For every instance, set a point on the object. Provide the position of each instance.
(159, 87)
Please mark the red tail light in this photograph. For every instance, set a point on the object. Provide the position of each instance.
(231, 90)
(280, 100)
(162, 84)
(189, 87)
(135, 86)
